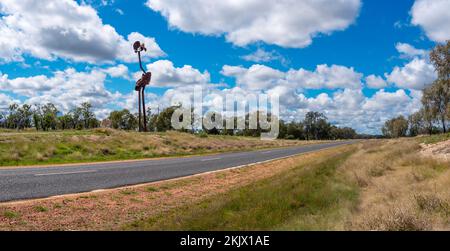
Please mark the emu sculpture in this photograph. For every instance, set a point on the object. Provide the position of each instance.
(141, 83)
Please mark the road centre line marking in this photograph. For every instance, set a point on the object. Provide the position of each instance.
(211, 159)
(63, 173)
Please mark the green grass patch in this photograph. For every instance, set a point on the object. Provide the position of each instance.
(433, 139)
(304, 198)
(152, 189)
(128, 192)
(40, 209)
(57, 206)
(10, 214)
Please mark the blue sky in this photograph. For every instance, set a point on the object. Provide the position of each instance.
(228, 47)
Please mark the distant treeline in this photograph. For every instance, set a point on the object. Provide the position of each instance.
(47, 117)
(434, 115)
(314, 127)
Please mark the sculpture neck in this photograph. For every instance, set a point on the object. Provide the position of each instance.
(140, 62)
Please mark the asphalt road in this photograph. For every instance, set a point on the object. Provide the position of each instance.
(39, 182)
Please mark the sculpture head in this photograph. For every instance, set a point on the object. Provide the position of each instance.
(138, 47)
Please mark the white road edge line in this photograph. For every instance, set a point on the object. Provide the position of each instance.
(63, 173)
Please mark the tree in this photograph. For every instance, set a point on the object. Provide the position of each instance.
(88, 115)
(19, 116)
(448, 111)
(149, 118)
(440, 91)
(254, 132)
(226, 130)
(49, 117)
(282, 130)
(316, 125)
(164, 120)
(116, 118)
(342, 133)
(435, 100)
(13, 118)
(295, 130)
(323, 129)
(440, 57)
(396, 127)
(65, 121)
(438, 94)
(427, 110)
(152, 123)
(77, 118)
(123, 120)
(37, 117)
(416, 123)
(24, 114)
(214, 118)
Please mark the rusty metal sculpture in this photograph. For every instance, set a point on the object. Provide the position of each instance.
(141, 83)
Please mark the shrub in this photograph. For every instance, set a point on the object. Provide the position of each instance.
(431, 203)
(202, 135)
(397, 219)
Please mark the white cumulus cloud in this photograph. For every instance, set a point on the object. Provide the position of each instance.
(287, 23)
(416, 74)
(48, 29)
(409, 51)
(118, 71)
(375, 82)
(263, 56)
(5, 101)
(259, 77)
(434, 17)
(165, 74)
(66, 89)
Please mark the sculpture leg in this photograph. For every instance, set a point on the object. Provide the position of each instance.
(139, 101)
(144, 111)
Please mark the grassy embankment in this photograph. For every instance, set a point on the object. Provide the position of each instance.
(372, 185)
(30, 148)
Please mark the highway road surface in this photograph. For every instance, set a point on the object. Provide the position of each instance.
(39, 182)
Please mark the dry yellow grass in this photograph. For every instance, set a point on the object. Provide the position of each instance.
(400, 188)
